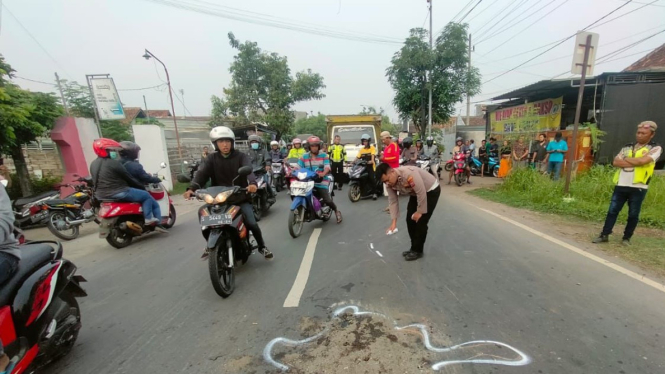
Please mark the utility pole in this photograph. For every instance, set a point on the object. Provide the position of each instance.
(88, 79)
(146, 107)
(429, 116)
(64, 102)
(468, 98)
(572, 153)
(182, 93)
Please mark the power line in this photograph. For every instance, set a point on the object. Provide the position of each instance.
(33, 80)
(559, 43)
(35, 40)
(523, 19)
(470, 10)
(508, 9)
(142, 89)
(626, 56)
(182, 102)
(461, 10)
(481, 12)
(636, 2)
(264, 20)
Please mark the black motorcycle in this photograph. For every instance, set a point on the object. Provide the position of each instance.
(360, 186)
(229, 240)
(261, 202)
(30, 211)
(192, 168)
(278, 175)
(39, 316)
(66, 215)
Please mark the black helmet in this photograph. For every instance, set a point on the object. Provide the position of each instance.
(129, 150)
(430, 141)
(407, 142)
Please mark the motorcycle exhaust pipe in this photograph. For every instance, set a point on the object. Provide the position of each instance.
(76, 222)
(130, 228)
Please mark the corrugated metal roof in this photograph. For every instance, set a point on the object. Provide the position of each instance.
(654, 61)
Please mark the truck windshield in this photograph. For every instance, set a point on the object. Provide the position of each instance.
(352, 134)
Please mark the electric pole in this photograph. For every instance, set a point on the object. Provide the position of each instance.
(468, 98)
(146, 107)
(431, 45)
(64, 102)
(182, 94)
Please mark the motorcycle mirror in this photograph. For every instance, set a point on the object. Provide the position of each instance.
(4, 182)
(245, 171)
(162, 165)
(185, 162)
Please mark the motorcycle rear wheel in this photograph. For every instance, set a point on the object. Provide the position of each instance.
(221, 275)
(63, 307)
(172, 216)
(354, 193)
(296, 221)
(118, 239)
(72, 232)
(495, 171)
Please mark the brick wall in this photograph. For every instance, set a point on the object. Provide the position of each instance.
(40, 162)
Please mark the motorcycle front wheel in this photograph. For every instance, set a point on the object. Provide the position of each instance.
(354, 193)
(278, 184)
(495, 171)
(222, 274)
(296, 221)
(66, 312)
(257, 208)
(448, 167)
(460, 178)
(57, 218)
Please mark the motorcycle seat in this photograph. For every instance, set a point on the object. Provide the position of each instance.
(31, 199)
(55, 202)
(32, 256)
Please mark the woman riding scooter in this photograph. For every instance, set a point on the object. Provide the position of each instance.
(368, 150)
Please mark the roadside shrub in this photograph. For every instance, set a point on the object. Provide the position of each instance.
(46, 183)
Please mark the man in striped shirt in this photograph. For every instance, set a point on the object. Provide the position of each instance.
(318, 161)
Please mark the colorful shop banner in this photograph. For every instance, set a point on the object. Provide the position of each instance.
(535, 116)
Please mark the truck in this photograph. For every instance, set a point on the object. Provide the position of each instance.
(350, 128)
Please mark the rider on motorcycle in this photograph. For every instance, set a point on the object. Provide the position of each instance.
(409, 153)
(221, 168)
(432, 151)
(297, 151)
(319, 162)
(10, 254)
(260, 159)
(128, 157)
(113, 182)
(368, 150)
(276, 154)
(460, 147)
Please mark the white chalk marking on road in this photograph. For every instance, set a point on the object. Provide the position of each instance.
(293, 298)
(379, 253)
(611, 265)
(371, 245)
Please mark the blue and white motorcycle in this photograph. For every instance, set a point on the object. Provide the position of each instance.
(305, 207)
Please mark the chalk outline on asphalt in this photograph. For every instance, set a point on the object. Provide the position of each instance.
(293, 298)
(602, 261)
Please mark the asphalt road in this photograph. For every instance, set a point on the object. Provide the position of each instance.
(151, 307)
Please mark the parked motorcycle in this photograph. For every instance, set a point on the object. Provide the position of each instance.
(66, 215)
(30, 211)
(39, 316)
(492, 166)
(459, 161)
(222, 225)
(305, 207)
(260, 200)
(278, 175)
(360, 186)
(122, 221)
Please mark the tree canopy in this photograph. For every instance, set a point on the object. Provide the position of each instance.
(386, 124)
(263, 90)
(312, 125)
(450, 78)
(24, 116)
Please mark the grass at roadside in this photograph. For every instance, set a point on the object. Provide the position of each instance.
(179, 188)
(591, 193)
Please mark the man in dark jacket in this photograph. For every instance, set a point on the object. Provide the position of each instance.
(113, 182)
(9, 251)
(221, 168)
(261, 159)
(128, 157)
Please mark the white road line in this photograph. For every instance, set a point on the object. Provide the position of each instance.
(611, 265)
(371, 245)
(293, 298)
(379, 253)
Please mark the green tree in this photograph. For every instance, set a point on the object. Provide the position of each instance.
(24, 116)
(386, 123)
(312, 125)
(80, 104)
(263, 90)
(450, 79)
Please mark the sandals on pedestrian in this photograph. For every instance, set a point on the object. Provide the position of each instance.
(338, 214)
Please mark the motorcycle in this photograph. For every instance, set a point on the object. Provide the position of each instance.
(122, 221)
(39, 316)
(306, 207)
(229, 240)
(66, 215)
(360, 186)
(460, 168)
(423, 162)
(492, 166)
(278, 175)
(30, 211)
(260, 200)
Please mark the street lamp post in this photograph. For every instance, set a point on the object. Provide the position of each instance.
(147, 56)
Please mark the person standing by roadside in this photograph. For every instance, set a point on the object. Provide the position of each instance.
(539, 153)
(505, 165)
(391, 153)
(557, 150)
(337, 158)
(472, 147)
(482, 156)
(520, 153)
(636, 163)
(424, 191)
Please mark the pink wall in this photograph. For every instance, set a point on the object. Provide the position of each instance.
(66, 135)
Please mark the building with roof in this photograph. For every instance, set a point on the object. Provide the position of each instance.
(654, 61)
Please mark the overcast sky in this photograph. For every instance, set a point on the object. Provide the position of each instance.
(80, 37)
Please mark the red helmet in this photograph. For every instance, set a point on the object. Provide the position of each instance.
(101, 146)
(314, 140)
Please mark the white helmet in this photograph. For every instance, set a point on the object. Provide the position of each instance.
(221, 132)
(274, 142)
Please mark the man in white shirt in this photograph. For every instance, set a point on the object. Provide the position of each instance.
(636, 163)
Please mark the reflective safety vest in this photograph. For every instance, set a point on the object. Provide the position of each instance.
(642, 174)
(337, 153)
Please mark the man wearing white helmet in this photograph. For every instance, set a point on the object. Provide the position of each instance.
(221, 168)
(432, 151)
(276, 154)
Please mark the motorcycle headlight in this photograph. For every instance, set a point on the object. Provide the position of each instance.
(222, 196)
(302, 176)
(208, 199)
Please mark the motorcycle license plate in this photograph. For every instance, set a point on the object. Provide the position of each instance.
(216, 220)
(39, 216)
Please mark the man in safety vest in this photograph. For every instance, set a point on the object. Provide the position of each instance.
(337, 157)
(636, 163)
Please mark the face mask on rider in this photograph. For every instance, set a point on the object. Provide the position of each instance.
(113, 155)
(255, 145)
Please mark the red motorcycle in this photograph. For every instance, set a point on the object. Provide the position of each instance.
(459, 164)
(122, 221)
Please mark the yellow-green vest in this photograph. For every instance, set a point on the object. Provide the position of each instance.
(337, 153)
(642, 173)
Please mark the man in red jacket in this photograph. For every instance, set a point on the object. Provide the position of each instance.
(390, 150)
